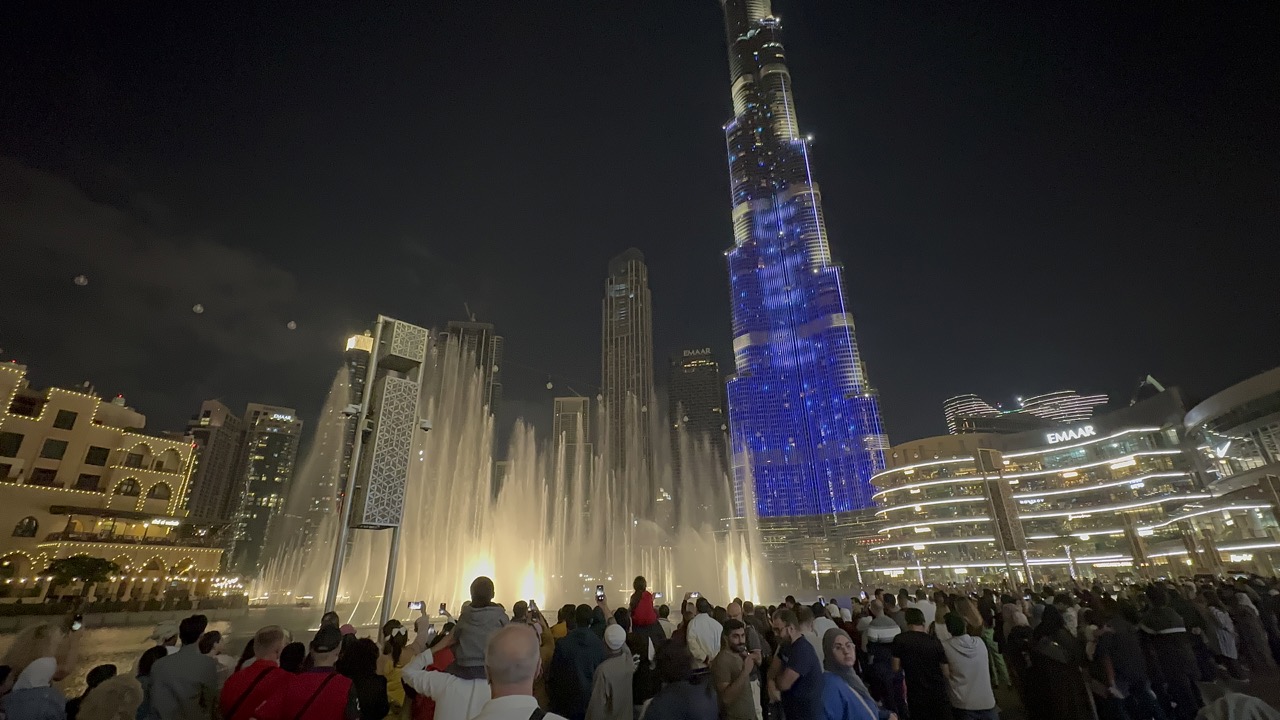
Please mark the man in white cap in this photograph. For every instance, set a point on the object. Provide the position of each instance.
(611, 684)
(166, 635)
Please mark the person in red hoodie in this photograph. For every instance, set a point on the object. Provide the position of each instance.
(644, 617)
(258, 680)
(319, 693)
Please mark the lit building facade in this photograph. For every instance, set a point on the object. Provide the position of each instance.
(695, 409)
(804, 419)
(218, 473)
(1237, 437)
(970, 413)
(1086, 499)
(78, 477)
(626, 361)
(271, 453)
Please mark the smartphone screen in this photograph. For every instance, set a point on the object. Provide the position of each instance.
(657, 596)
(441, 608)
(863, 595)
(77, 622)
(599, 593)
(822, 600)
(695, 594)
(533, 605)
(416, 604)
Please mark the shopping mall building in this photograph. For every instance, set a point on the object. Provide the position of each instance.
(1157, 488)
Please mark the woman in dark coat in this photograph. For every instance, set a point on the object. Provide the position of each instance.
(1054, 684)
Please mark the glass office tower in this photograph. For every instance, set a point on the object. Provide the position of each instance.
(805, 421)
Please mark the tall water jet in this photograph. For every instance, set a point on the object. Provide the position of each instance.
(560, 522)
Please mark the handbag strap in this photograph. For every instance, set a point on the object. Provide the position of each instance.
(314, 695)
(245, 695)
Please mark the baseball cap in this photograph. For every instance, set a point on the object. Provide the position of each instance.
(327, 639)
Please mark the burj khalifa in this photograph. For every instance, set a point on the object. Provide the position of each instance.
(804, 419)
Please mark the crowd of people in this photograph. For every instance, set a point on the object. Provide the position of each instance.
(1134, 653)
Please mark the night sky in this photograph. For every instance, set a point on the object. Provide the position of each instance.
(1025, 197)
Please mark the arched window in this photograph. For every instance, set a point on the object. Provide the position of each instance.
(169, 461)
(159, 491)
(26, 527)
(128, 487)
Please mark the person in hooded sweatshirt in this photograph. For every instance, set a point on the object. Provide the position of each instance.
(477, 621)
(968, 676)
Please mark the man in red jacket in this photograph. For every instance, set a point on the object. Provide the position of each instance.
(317, 694)
(257, 681)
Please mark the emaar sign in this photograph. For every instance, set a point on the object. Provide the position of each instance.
(1083, 431)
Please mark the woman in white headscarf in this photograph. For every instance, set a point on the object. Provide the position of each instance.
(34, 663)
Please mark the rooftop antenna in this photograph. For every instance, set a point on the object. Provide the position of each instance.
(471, 317)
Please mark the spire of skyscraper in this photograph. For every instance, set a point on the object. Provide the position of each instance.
(805, 421)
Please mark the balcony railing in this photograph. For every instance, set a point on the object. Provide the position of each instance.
(129, 539)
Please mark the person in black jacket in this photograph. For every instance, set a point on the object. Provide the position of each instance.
(573, 665)
(1170, 657)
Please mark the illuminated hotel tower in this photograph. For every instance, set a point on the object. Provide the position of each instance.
(805, 421)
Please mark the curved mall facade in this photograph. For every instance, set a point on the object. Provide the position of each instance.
(1124, 494)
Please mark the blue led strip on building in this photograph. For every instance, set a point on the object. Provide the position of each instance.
(805, 422)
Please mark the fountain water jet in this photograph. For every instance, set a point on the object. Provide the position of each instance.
(561, 522)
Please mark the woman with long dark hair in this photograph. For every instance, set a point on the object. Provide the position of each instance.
(360, 663)
(395, 638)
(977, 627)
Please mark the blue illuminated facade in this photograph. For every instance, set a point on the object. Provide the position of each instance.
(805, 423)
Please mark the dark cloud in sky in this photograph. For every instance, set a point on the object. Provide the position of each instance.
(1025, 196)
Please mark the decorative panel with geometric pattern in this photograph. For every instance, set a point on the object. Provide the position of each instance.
(378, 501)
(406, 348)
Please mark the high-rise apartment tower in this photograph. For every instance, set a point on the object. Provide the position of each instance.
(219, 473)
(626, 354)
(695, 404)
(271, 454)
(478, 340)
